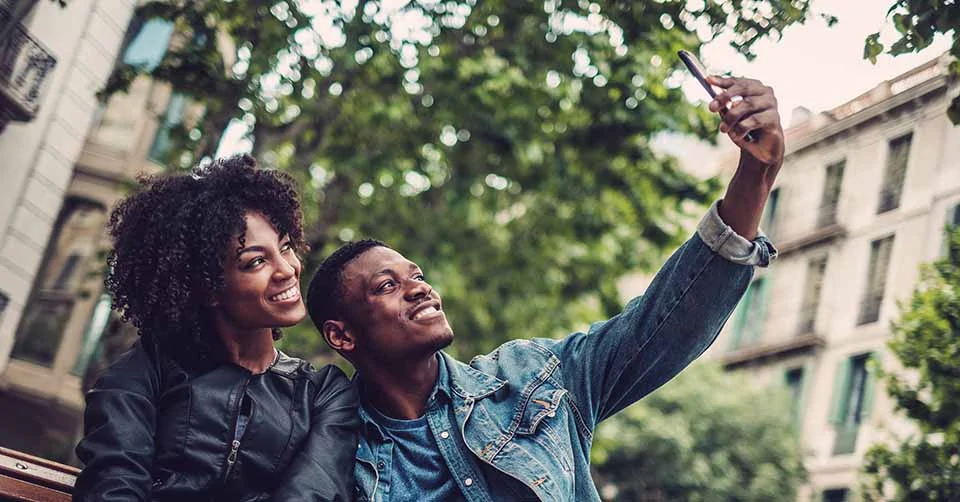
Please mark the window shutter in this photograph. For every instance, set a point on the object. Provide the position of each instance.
(805, 392)
(868, 386)
(758, 309)
(841, 392)
(742, 313)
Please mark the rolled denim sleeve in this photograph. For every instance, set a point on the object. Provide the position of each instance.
(724, 241)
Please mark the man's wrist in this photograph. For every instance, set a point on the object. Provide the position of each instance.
(730, 244)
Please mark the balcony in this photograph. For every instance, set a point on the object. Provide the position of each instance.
(769, 351)
(24, 67)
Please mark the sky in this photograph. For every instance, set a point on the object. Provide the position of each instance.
(819, 67)
(813, 66)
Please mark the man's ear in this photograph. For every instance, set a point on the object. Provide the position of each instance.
(338, 336)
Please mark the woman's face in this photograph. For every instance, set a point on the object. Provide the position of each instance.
(262, 280)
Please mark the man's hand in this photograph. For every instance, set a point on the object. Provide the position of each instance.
(752, 108)
(747, 105)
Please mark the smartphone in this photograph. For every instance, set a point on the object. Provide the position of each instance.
(696, 68)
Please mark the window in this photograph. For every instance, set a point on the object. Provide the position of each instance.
(898, 153)
(827, 214)
(816, 270)
(880, 250)
(147, 48)
(835, 495)
(852, 401)
(950, 223)
(93, 333)
(794, 381)
(768, 219)
(163, 142)
(752, 313)
(59, 283)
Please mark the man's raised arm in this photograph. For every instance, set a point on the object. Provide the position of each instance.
(682, 311)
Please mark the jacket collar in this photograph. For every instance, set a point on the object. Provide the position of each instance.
(285, 364)
(463, 380)
(469, 382)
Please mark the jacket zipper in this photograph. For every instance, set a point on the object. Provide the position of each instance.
(235, 444)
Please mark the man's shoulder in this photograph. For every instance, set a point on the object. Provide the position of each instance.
(519, 359)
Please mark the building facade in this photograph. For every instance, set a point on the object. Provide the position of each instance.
(861, 202)
(54, 244)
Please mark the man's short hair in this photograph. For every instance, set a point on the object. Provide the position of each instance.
(326, 294)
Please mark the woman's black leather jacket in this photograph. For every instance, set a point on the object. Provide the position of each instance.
(155, 430)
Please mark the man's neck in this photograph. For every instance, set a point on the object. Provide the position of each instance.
(400, 392)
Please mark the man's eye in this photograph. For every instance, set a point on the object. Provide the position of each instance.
(420, 277)
(385, 286)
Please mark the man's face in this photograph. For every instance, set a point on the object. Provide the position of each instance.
(393, 312)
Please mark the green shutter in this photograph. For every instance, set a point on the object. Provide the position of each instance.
(951, 221)
(763, 297)
(841, 392)
(804, 393)
(742, 309)
(868, 386)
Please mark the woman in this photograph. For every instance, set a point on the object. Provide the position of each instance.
(204, 407)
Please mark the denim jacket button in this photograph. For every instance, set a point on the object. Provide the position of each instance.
(444, 434)
(468, 481)
(381, 465)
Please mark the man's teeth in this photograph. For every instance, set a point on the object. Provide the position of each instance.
(428, 310)
(286, 295)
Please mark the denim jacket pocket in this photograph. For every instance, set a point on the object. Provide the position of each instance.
(543, 423)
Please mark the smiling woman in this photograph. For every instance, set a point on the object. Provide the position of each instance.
(204, 406)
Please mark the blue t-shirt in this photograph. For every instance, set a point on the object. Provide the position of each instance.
(424, 476)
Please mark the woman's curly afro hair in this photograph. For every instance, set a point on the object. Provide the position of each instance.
(170, 240)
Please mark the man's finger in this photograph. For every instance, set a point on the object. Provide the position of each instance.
(757, 121)
(742, 108)
(742, 91)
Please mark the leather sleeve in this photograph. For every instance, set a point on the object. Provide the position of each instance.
(323, 469)
(117, 448)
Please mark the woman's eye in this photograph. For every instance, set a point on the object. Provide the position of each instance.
(286, 247)
(254, 262)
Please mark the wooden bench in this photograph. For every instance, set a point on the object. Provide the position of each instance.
(32, 479)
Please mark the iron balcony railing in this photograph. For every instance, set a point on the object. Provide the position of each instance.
(25, 65)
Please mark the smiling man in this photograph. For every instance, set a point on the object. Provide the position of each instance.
(517, 424)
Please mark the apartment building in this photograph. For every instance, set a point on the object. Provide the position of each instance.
(58, 313)
(862, 201)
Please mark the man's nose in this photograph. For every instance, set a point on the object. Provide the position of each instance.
(418, 289)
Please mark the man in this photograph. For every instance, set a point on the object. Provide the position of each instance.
(517, 424)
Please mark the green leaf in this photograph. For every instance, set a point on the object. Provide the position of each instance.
(872, 47)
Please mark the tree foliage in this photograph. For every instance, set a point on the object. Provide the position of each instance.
(706, 436)
(504, 145)
(925, 465)
(917, 23)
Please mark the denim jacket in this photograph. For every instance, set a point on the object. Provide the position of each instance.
(517, 423)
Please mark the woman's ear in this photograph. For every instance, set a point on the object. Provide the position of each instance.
(338, 336)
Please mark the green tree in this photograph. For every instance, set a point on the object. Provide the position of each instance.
(706, 436)
(917, 22)
(925, 465)
(505, 145)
